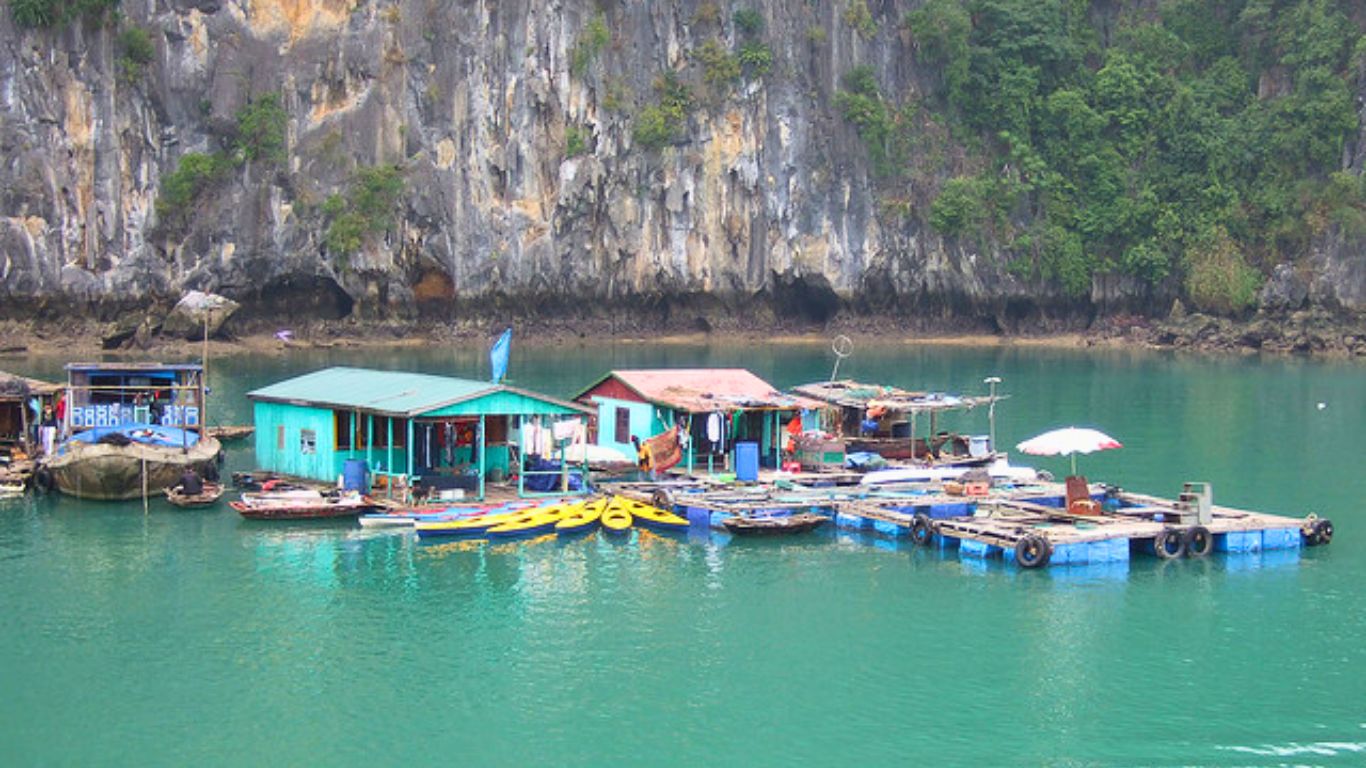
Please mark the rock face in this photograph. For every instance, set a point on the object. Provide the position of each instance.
(525, 190)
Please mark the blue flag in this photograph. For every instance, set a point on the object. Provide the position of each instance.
(498, 355)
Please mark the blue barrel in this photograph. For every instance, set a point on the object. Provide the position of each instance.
(747, 462)
(353, 475)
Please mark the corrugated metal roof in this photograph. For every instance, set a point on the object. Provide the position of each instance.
(702, 390)
(395, 393)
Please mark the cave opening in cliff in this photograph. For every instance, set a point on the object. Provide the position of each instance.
(805, 297)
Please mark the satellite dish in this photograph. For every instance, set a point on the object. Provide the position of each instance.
(843, 347)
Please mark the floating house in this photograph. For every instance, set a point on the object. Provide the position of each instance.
(883, 420)
(435, 431)
(17, 417)
(716, 409)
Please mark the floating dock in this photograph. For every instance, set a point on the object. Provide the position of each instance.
(1026, 524)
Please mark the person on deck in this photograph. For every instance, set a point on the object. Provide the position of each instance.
(60, 413)
(644, 459)
(190, 484)
(47, 430)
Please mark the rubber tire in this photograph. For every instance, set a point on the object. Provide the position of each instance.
(211, 472)
(1169, 544)
(1323, 532)
(1033, 551)
(662, 499)
(922, 530)
(1199, 541)
(42, 479)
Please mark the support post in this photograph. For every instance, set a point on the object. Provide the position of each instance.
(482, 463)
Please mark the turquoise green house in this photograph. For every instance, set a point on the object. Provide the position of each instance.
(436, 431)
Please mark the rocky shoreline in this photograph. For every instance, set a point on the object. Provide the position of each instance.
(1306, 333)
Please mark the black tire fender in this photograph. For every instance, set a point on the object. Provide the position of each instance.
(1199, 541)
(211, 472)
(1033, 551)
(1323, 532)
(662, 499)
(1169, 544)
(922, 530)
(42, 479)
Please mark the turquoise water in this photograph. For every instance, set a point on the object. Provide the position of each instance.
(181, 637)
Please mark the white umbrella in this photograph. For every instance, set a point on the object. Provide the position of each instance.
(1068, 441)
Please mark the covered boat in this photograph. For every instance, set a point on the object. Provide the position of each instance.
(134, 429)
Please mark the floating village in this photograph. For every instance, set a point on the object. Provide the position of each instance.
(681, 450)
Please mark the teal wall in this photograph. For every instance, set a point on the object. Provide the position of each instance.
(323, 465)
(644, 422)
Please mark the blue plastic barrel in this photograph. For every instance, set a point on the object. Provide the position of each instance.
(353, 475)
(747, 462)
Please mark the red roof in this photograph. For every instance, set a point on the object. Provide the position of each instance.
(701, 390)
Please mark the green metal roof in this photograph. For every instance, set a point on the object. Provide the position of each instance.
(392, 393)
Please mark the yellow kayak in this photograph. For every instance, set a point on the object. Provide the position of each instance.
(651, 517)
(474, 526)
(585, 519)
(615, 518)
(540, 521)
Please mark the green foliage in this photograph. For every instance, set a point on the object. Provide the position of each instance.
(1203, 142)
(182, 188)
(592, 40)
(368, 208)
(708, 12)
(137, 51)
(859, 18)
(1218, 278)
(941, 29)
(46, 14)
(756, 59)
(719, 67)
(749, 21)
(261, 130)
(658, 125)
(575, 141)
(816, 34)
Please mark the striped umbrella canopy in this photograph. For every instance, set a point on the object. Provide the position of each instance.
(1069, 441)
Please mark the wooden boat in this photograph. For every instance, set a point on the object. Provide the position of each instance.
(11, 489)
(651, 517)
(224, 433)
(300, 505)
(585, 519)
(615, 518)
(788, 524)
(211, 494)
(407, 517)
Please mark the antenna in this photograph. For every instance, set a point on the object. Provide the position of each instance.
(843, 347)
(991, 409)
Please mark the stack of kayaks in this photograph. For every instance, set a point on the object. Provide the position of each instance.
(616, 515)
(583, 520)
(648, 516)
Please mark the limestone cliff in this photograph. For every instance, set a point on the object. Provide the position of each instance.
(525, 188)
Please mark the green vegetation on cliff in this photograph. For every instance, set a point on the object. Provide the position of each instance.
(367, 208)
(1203, 142)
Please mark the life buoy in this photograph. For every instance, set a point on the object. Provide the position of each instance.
(922, 530)
(42, 479)
(1199, 542)
(1169, 544)
(1033, 551)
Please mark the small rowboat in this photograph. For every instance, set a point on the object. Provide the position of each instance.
(474, 527)
(209, 496)
(300, 505)
(408, 517)
(11, 489)
(584, 520)
(651, 517)
(615, 519)
(789, 524)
